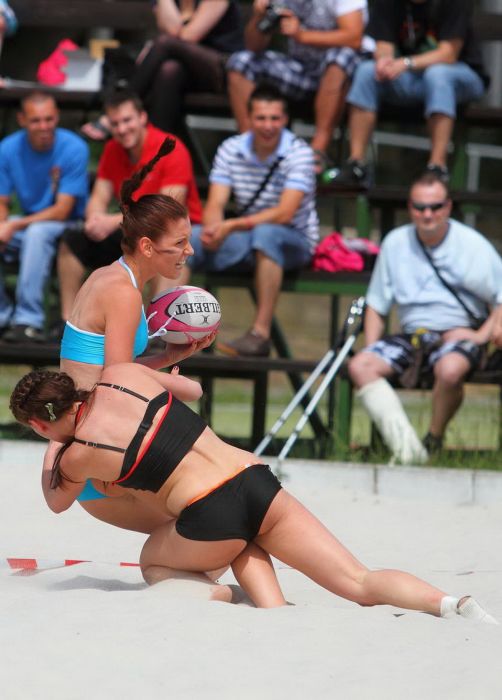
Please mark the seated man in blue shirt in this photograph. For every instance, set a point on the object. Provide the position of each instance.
(446, 281)
(46, 168)
(269, 173)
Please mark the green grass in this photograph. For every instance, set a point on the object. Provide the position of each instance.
(472, 438)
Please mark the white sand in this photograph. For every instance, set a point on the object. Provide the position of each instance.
(96, 631)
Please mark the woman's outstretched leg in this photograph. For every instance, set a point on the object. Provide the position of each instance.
(254, 571)
(292, 534)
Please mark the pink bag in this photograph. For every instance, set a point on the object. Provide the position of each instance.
(49, 71)
(333, 255)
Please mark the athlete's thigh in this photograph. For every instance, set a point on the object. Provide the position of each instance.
(165, 547)
(292, 534)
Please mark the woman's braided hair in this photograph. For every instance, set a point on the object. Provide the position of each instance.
(47, 396)
(150, 214)
(44, 395)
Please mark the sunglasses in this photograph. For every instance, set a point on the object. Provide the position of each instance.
(435, 206)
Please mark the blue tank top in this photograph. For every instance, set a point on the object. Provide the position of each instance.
(83, 346)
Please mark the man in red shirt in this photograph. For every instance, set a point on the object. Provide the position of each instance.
(134, 142)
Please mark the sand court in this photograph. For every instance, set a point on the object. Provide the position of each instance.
(95, 630)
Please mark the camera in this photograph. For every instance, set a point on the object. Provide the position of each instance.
(270, 20)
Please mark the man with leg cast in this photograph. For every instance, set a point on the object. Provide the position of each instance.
(446, 280)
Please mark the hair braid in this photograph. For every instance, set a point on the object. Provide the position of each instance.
(44, 395)
(130, 186)
(151, 214)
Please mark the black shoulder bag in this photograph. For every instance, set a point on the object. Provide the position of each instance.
(239, 211)
(476, 321)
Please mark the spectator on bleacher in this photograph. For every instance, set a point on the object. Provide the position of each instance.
(497, 328)
(134, 143)
(425, 55)
(190, 53)
(269, 173)
(45, 167)
(446, 280)
(323, 50)
(8, 20)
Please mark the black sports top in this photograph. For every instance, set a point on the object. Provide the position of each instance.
(178, 429)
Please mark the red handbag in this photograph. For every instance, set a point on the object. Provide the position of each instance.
(49, 71)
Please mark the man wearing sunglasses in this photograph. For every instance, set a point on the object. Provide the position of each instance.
(445, 279)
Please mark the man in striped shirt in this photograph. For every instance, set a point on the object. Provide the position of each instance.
(270, 174)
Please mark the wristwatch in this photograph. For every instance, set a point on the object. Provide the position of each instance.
(409, 63)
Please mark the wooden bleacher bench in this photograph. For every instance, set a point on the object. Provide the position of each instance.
(209, 366)
(43, 23)
(206, 366)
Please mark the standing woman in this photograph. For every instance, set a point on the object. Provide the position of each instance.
(107, 324)
(190, 53)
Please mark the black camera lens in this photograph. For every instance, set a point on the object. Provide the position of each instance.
(270, 20)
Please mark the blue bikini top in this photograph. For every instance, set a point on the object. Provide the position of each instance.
(83, 346)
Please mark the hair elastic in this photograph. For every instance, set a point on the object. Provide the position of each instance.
(50, 410)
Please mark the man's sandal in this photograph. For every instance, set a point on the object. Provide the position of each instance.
(96, 130)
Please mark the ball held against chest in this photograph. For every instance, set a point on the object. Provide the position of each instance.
(183, 314)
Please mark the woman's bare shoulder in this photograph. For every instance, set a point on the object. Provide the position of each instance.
(108, 285)
(110, 275)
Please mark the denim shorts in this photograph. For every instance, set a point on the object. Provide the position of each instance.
(439, 88)
(284, 245)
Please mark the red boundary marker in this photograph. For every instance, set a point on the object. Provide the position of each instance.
(33, 564)
(25, 563)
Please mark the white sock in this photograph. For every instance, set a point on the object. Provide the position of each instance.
(472, 610)
(469, 609)
(449, 606)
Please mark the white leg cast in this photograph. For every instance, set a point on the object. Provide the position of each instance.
(386, 411)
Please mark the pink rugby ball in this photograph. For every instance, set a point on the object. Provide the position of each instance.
(183, 314)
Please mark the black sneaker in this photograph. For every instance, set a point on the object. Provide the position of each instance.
(352, 174)
(441, 172)
(24, 334)
(432, 443)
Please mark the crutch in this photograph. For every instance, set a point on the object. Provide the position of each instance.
(352, 322)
